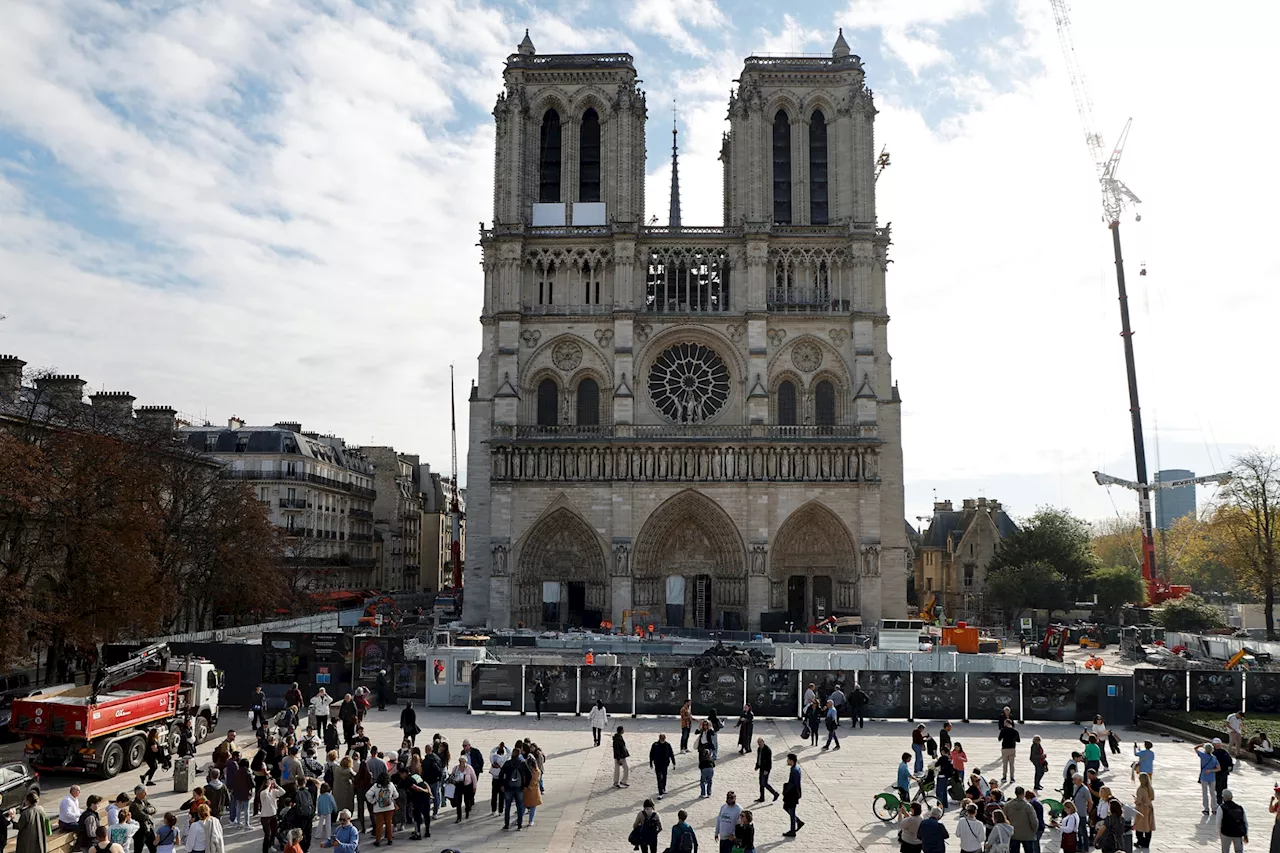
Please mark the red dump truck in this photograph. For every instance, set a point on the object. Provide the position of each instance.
(102, 728)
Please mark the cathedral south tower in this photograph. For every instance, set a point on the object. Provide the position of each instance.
(698, 423)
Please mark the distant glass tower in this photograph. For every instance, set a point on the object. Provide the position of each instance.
(1173, 504)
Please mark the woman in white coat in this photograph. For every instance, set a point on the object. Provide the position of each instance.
(599, 718)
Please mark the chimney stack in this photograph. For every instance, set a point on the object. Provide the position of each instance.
(290, 426)
(235, 423)
(158, 418)
(116, 406)
(11, 378)
(942, 506)
(967, 503)
(63, 392)
(982, 502)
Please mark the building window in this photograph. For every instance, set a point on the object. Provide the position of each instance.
(547, 286)
(588, 403)
(787, 403)
(548, 402)
(591, 284)
(589, 158)
(824, 399)
(968, 576)
(549, 158)
(781, 168)
(818, 169)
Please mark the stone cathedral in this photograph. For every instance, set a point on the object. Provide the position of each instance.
(684, 425)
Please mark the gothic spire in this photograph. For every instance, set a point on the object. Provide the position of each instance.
(673, 220)
(841, 47)
(526, 46)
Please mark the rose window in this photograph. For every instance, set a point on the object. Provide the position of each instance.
(689, 383)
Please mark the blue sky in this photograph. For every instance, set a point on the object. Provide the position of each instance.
(269, 210)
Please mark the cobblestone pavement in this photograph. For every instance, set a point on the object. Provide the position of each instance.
(583, 812)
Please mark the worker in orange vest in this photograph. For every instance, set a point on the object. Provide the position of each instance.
(650, 630)
(591, 657)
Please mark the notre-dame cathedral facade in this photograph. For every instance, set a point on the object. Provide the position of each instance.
(696, 424)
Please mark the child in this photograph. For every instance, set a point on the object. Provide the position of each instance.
(326, 810)
(295, 841)
(167, 837)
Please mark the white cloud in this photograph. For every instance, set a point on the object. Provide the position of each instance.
(908, 30)
(674, 21)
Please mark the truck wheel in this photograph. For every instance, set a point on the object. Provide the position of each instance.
(173, 737)
(135, 750)
(202, 729)
(112, 761)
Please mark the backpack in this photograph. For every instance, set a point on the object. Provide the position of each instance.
(383, 798)
(685, 844)
(303, 802)
(526, 775)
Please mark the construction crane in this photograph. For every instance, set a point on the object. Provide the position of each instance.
(1115, 198)
(455, 506)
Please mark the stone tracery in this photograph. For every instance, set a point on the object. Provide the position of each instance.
(560, 548)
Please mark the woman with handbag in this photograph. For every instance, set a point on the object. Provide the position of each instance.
(744, 836)
(645, 829)
(1000, 834)
(812, 720)
(461, 789)
(1109, 833)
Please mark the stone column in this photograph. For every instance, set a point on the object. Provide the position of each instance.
(620, 581)
(870, 592)
(757, 585)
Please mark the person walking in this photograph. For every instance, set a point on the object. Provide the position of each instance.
(970, 831)
(686, 724)
(515, 775)
(645, 828)
(621, 772)
(258, 707)
(497, 759)
(858, 701)
(945, 773)
(599, 719)
(933, 835)
(706, 772)
(727, 822)
(1208, 775)
(791, 794)
(532, 794)
(539, 696)
(1100, 731)
(1235, 731)
(1144, 803)
(152, 757)
(832, 720)
(1009, 738)
(1022, 817)
(813, 720)
(1234, 826)
(409, 723)
(745, 724)
(744, 834)
(382, 797)
(764, 766)
(708, 739)
(321, 707)
(349, 716)
(661, 758)
(1039, 762)
(1226, 764)
(837, 698)
(1273, 807)
(683, 838)
(463, 783)
(810, 694)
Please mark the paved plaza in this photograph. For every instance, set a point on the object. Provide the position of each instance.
(583, 812)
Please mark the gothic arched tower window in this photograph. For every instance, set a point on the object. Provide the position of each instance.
(787, 403)
(781, 168)
(549, 158)
(824, 403)
(588, 403)
(589, 157)
(817, 169)
(548, 403)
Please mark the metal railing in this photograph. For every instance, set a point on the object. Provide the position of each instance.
(361, 513)
(293, 503)
(685, 432)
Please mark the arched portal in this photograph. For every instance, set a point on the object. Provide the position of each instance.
(813, 567)
(690, 565)
(561, 577)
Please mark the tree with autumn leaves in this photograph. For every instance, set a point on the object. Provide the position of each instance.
(117, 532)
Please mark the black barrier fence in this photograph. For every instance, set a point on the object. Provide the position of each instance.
(773, 692)
(1159, 690)
(1042, 696)
(1216, 691)
(937, 695)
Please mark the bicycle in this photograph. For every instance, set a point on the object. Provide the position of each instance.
(887, 805)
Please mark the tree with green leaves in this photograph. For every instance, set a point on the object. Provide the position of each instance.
(1191, 613)
(1033, 586)
(1252, 520)
(1053, 537)
(1115, 587)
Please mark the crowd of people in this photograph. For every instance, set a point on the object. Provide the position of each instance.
(311, 773)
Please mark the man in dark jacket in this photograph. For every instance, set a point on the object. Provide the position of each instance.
(293, 696)
(1226, 764)
(661, 758)
(1009, 738)
(858, 700)
(764, 764)
(349, 715)
(932, 834)
(621, 772)
(1234, 827)
(143, 814)
(791, 794)
(381, 689)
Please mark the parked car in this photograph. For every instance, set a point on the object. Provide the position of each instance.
(15, 781)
